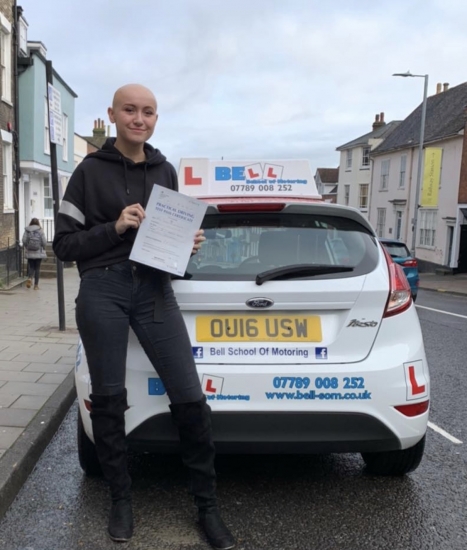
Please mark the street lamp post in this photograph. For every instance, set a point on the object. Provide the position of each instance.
(420, 156)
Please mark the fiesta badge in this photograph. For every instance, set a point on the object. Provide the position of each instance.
(259, 303)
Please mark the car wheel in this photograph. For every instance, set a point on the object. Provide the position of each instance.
(87, 452)
(395, 463)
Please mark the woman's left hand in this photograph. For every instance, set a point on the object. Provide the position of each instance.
(198, 240)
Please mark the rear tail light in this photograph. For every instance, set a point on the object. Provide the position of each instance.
(413, 409)
(400, 295)
(251, 207)
(410, 263)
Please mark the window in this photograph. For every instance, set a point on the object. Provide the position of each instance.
(346, 195)
(7, 159)
(398, 231)
(65, 137)
(5, 57)
(402, 172)
(363, 197)
(48, 199)
(237, 248)
(366, 157)
(397, 250)
(383, 186)
(46, 130)
(381, 222)
(427, 227)
(348, 160)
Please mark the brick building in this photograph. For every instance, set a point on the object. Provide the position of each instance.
(8, 104)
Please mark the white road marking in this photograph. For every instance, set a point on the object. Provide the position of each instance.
(434, 427)
(451, 438)
(442, 311)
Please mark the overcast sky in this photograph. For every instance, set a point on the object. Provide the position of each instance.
(254, 79)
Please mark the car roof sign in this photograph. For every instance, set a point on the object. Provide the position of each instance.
(202, 177)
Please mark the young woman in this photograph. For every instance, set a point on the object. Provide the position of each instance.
(101, 211)
(34, 241)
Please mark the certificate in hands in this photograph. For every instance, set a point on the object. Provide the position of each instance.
(165, 236)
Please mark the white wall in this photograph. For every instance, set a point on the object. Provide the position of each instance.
(81, 148)
(381, 198)
(354, 176)
(447, 199)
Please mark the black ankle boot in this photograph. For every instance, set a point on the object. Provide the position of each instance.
(217, 533)
(121, 521)
(108, 425)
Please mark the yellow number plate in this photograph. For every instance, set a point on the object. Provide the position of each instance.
(267, 328)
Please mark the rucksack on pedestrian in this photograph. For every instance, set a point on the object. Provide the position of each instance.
(34, 241)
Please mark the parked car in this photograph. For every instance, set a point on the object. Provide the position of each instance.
(305, 337)
(401, 255)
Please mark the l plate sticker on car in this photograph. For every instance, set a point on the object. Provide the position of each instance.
(415, 380)
(213, 388)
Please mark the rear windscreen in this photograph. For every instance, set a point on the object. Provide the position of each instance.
(239, 246)
(397, 250)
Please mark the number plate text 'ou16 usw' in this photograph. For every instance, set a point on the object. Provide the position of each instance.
(256, 328)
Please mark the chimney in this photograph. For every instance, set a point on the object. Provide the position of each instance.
(445, 86)
(379, 121)
(438, 88)
(99, 128)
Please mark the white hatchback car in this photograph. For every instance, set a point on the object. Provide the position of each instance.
(305, 337)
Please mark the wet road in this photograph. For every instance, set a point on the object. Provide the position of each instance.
(275, 502)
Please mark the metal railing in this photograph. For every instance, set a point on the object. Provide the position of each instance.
(48, 226)
(11, 263)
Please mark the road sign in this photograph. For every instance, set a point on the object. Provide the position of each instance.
(55, 115)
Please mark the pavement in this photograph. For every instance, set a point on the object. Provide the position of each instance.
(36, 375)
(452, 284)
(36, 370)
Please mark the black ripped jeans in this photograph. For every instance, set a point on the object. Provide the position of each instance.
(110, 301)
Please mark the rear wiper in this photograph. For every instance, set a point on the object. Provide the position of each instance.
(299, 270)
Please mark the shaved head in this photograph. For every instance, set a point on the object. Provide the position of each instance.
(130, 92)
(134, 113)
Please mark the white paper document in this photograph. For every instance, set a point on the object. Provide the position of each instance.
(165, 236)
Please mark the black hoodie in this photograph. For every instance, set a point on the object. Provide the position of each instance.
(99, 189)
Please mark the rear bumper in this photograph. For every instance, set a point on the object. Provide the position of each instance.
(275, 433)
(343, 407)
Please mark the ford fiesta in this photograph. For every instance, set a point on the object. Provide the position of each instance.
(304, 333)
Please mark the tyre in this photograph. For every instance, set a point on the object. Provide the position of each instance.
(395, 463)
(87, 452)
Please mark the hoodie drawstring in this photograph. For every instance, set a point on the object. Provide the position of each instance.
(125, 174)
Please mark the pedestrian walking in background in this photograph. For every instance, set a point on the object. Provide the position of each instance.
(34, 241)
(99, 216)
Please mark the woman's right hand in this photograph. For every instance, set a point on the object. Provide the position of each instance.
(131, 217)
